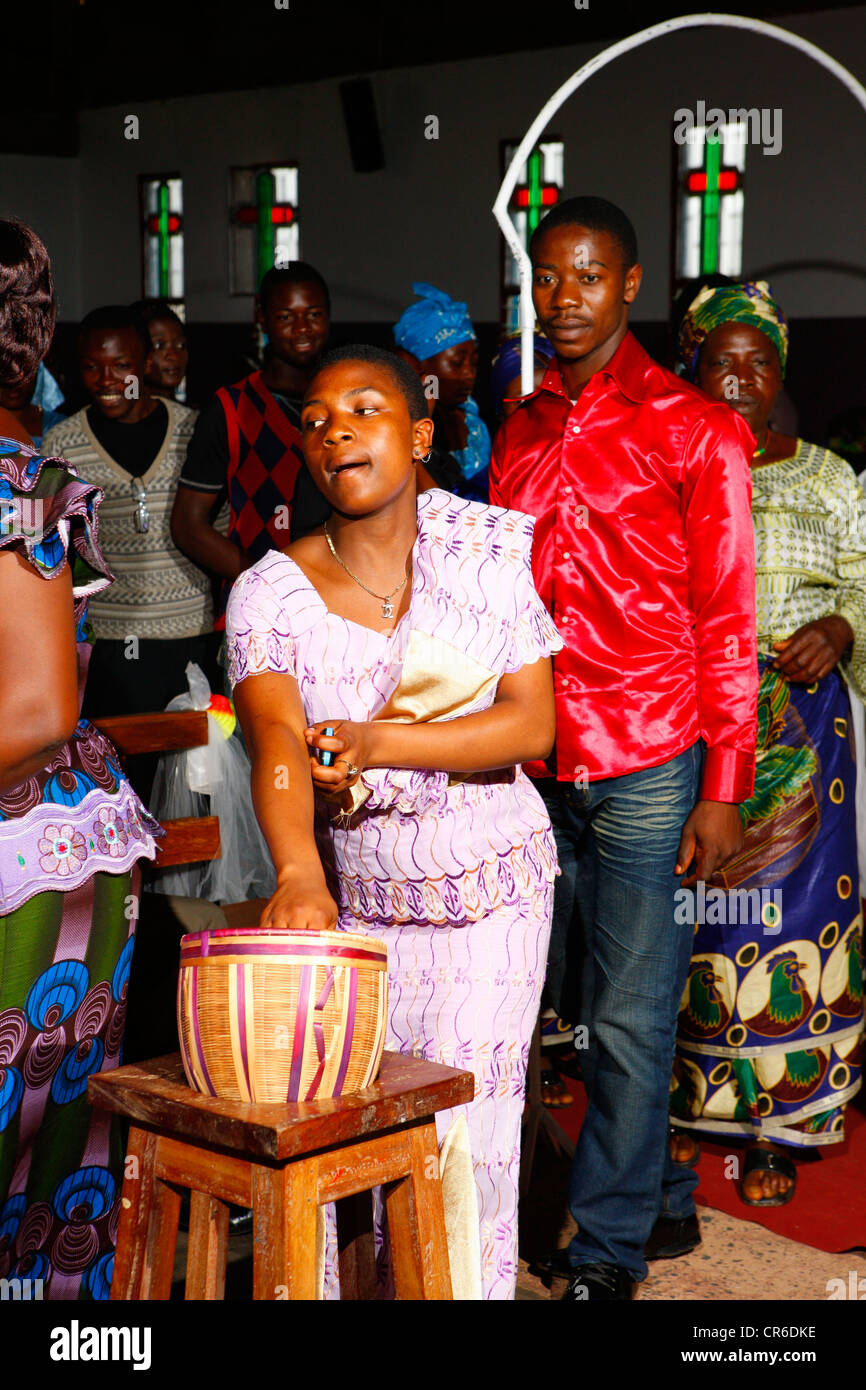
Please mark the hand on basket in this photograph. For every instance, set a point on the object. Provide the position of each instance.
(301, 903)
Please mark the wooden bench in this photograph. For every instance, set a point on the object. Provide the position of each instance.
(189, 839)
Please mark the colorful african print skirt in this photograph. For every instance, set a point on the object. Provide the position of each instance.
(64, 968)
(771, 1019)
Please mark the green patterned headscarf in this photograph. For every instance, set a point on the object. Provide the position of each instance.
(749, 302)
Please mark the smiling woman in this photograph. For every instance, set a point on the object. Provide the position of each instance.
(158, 614)
(422, 832)
(169, 356)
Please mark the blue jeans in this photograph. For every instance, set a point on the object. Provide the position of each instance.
(617, 841)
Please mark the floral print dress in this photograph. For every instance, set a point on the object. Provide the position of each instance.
(71, 837)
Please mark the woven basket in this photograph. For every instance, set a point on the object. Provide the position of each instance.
(276, 1016)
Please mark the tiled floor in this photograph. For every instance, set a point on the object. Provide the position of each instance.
(737, 1259)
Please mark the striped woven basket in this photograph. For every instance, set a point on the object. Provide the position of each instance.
(276, 1016)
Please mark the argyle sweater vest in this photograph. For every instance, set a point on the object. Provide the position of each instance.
(264, 460)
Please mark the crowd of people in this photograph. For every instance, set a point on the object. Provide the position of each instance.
(585, 659)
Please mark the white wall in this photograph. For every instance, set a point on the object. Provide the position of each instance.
(427, 215)
(45, 193)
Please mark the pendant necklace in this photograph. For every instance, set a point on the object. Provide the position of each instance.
(384, 599)
(141, 516)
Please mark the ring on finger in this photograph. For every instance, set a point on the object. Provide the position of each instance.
(351, 769)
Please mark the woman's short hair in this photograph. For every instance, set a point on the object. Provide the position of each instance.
(27, 305)
(406, 380)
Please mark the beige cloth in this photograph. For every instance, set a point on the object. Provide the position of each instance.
(460, 1197)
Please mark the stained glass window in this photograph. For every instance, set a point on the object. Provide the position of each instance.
(711, 201)
(264, 223)
(161, 199)
(537, 189)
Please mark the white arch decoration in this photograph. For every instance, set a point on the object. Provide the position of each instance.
(577, 79)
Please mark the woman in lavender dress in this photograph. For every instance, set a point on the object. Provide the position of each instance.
(72, 832)
(410, 627)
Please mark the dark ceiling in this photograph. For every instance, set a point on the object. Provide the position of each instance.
(81, 53)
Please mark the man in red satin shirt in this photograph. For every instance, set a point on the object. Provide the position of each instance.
(644, 553)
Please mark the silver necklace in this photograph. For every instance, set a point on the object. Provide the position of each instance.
(384, 599)
(141, 516)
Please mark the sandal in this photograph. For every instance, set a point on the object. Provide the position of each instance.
(554, 1093)
(763, 1160)
(675, 1133)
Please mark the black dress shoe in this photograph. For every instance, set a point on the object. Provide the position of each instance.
(599, 1283)
(672, 1236)
(240, 1221)
(240, 1218)
(556, 1264)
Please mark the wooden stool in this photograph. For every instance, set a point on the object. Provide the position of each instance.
(283, 1161)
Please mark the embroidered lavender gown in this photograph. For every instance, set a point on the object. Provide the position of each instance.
(455, 876)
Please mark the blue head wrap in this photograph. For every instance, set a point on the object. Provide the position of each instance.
(435, 323)
(506, 364)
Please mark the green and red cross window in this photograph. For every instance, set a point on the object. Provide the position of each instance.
(538, 189)
(161, 201)
(710, 202)
(264, 228)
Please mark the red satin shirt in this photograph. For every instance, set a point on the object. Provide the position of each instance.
(644, 554)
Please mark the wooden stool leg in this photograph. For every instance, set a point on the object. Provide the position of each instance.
(161, 1242)
(208, 1243)
(416, 1223)
(284, 1223)
(147, 1232)
(356, 1247)
(135, 1203)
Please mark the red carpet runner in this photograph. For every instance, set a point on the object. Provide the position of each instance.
(829, 1208)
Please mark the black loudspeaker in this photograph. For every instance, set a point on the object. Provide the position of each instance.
(362, 125)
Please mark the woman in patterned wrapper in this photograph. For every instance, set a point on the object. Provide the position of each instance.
(772, 1015)
(411, 627)
(71, 834)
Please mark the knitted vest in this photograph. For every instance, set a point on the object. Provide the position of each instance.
(264, 460)
(157, 591)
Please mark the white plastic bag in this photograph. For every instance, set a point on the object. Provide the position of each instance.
(213, 780)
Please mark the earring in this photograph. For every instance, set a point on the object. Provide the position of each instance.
(425, 459)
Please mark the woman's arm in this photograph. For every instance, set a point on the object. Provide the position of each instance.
(518, 727)
(814, 649)
(272, 717)
(39, 704)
